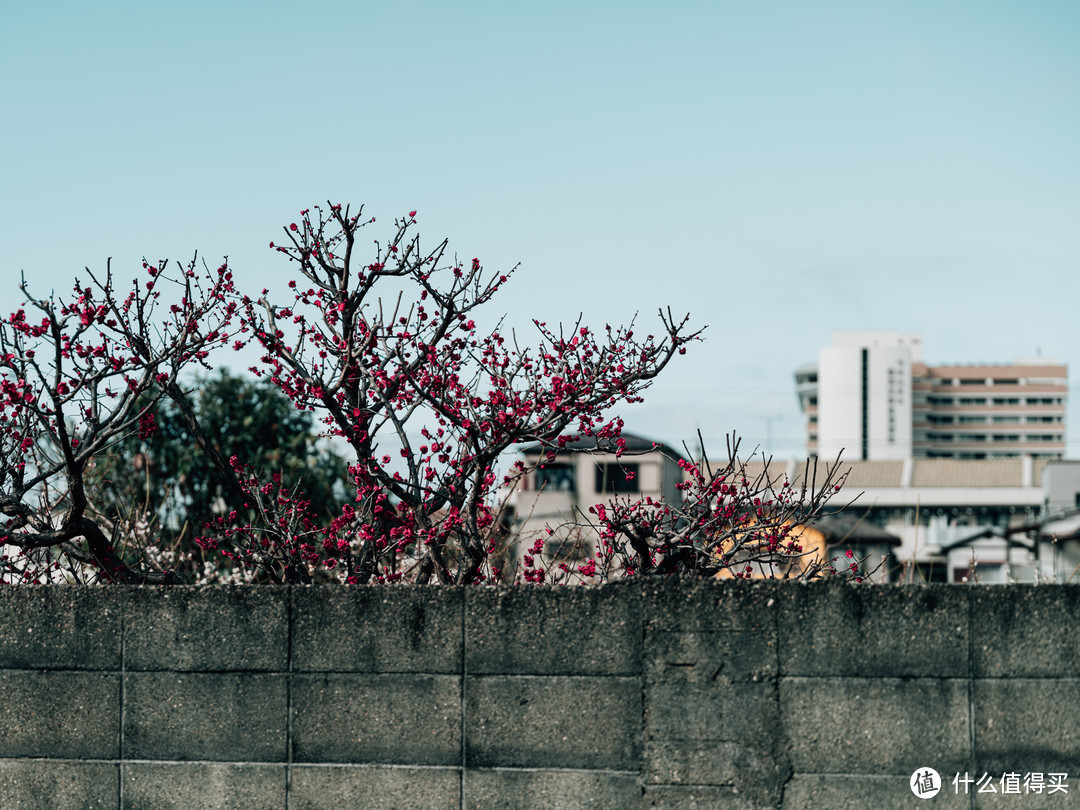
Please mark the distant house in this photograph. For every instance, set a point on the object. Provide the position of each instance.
(1013, 516)
(916, 519)
(560, 490)
(827, 541)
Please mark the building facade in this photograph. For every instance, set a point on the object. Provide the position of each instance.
(987, 520)
(872, 396)
(552, 501)
(911, 520)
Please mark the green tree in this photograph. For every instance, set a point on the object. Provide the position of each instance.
(162, 472)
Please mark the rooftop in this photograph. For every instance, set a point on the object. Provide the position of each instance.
(634, 445)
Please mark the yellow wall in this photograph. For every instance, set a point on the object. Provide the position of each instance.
(814, 549)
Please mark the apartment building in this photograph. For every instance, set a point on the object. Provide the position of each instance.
(872, 395)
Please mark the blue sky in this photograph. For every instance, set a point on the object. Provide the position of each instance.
(777, 169)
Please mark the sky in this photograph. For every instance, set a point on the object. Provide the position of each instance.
(778, 170)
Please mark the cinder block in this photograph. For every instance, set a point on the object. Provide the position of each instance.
(553, 722)
(205, 716)
(697, 797)
(704, 657)
(173, 786)
(550, 790)
(876, 726)
(694, 606)
(377, 629)
(756, 770)
(746, 713)
(58, 785)
(859, 791)
(1023, 631)
(711, 762)
(72, 715)
(553, 631)
(1027, 725)
(60, 627)
(403, 719)
(832, 629)
(212, 628)
(710, 661)
(341, 786)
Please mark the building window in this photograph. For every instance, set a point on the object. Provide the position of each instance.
(865, 402)
(617, 478)
(555, 478)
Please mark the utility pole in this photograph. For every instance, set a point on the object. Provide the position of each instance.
(768, 431)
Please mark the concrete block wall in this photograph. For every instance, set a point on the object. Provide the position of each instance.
(654, 694)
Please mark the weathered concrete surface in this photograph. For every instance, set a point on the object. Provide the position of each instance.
(338, 787)
(34, 784)
(549, 790)
(553, 722)
(231, 628)
(205, 716)
(67, 715)
(391, 719)
(649, 694)
(208, 786)
(576, 631)
(914, 631)
(400, 629)
(60, 628)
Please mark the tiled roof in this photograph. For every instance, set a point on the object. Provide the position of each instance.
(1065, 529)
(753, 470)
(870, 473)
(860, 473)
(634, 444)
(950, 472)
(852, 529)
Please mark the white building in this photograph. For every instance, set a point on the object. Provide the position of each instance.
(872, 396)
